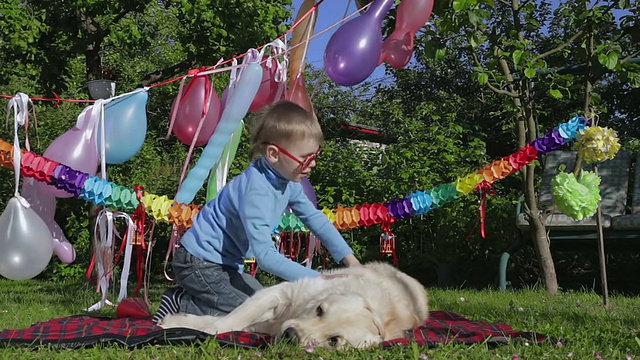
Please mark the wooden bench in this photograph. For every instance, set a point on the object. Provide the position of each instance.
(621, 226)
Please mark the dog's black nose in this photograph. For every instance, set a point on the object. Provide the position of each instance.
(290, 334)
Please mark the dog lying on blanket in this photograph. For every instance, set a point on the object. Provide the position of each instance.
(356, 306)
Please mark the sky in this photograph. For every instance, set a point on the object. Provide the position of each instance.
(329, 12)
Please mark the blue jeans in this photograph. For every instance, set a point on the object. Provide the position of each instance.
(210, 289)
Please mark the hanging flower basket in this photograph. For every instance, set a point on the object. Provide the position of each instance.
(101, 89)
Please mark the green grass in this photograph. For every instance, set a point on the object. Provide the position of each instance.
(586, 329)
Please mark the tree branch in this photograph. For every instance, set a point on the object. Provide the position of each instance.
(523, 4)
(493, 88)
(167, 73)
(559, 48)
(500, 91)
(631, 56)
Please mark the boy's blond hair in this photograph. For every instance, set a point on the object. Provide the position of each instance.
(281, 123)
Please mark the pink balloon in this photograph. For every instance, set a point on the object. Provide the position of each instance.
(268, 89)
(44, 204)
(397, 49)
(190, 108)
(412, 15)
(397, 52)
(77, 148)
(64, 251)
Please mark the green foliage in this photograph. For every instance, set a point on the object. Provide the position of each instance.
(439, 129)
(49, 47)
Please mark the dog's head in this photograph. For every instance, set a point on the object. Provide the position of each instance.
(335, 322)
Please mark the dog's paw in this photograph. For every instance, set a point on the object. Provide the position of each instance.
(173, 320)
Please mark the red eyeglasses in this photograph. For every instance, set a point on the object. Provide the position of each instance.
(304, 163)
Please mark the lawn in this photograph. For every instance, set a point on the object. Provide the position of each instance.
(584, 328)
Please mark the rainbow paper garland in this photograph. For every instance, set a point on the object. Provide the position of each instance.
(162, 208)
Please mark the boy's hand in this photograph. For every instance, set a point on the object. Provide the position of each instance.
(350, 261)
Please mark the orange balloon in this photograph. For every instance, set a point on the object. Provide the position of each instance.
(296, 56)
(298, 94)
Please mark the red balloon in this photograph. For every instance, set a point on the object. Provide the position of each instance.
(268, 89)
(132, 307)
(190, 110)
(298, 94)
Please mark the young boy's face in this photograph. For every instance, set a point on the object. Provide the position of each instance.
(295, 159)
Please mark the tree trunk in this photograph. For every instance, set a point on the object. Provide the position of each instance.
(526, 133)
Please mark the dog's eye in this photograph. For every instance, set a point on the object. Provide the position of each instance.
(333, 341)
(319, 310)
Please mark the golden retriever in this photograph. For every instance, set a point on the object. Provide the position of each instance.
(358, 306)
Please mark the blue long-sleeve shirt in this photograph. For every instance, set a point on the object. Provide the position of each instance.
(238, 223)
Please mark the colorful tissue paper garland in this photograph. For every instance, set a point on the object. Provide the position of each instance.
(162, 208)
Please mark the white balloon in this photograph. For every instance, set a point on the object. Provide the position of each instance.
(26, 244)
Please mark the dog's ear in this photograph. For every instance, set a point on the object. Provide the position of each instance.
(377, 321)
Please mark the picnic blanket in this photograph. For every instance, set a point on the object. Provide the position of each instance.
(84, 331)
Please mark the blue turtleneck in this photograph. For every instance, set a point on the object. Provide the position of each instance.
(238, 223)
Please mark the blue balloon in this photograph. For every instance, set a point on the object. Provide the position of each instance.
(234, 111)
(125, 127)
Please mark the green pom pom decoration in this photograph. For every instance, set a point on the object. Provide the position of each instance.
(576, 198)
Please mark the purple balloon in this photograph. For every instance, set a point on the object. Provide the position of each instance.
(44, 204)
(225, 97)
(354, 49)
(308, 190)
(76, 148)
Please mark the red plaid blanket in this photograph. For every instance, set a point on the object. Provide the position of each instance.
(81, 331)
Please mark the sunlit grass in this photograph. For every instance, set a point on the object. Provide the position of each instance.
(585, 329)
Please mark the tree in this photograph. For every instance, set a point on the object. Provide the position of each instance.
(508, 44)
(52, 47)
(53, 33)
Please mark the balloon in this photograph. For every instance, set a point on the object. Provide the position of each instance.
(411, 16)
(305, 27)
(44, 204)
(125, 121)
(297, 88)
(77, 148)
(397, 52)
(26, 245)
(298, 94)
(269, 88)
(190, 110)
(64, 250)
(308, 190)
(218, 176)
(225, 97)
(234, 111)
(132, 307)
(354, 49)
